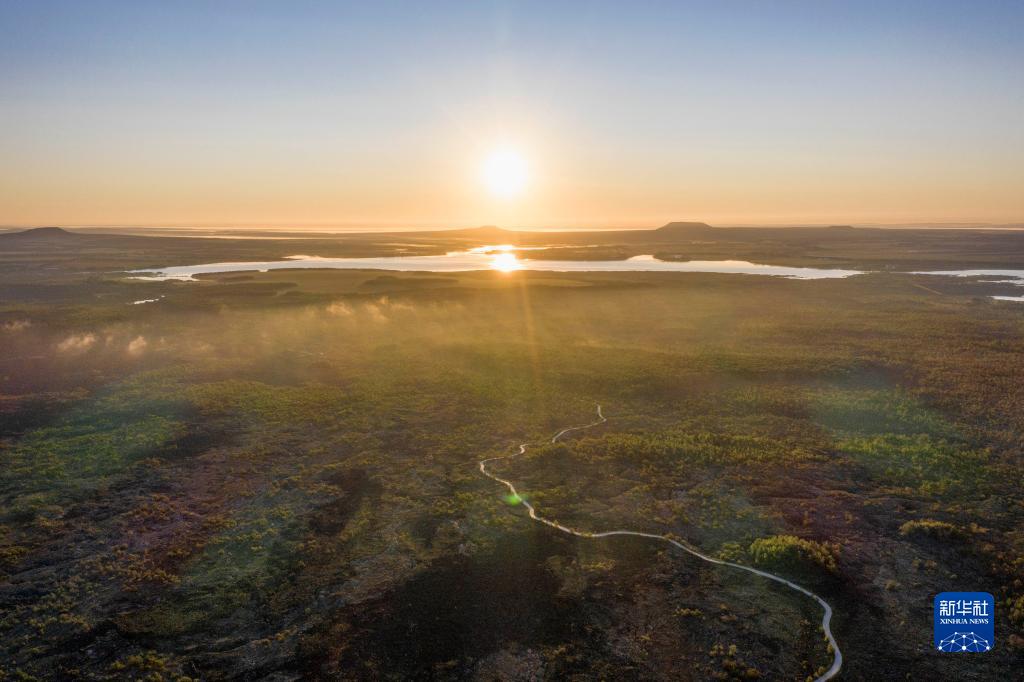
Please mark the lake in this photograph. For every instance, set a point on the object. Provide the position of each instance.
(506, 258)
(502, 258)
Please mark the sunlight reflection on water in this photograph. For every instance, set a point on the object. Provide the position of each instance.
(502, 258)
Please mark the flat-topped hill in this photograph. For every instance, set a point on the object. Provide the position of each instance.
(40, 234)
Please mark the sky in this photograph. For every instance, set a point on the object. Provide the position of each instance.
(250, 113)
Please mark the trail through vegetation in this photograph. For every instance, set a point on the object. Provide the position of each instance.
(826, 619)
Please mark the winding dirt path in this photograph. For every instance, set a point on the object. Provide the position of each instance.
(826, 618)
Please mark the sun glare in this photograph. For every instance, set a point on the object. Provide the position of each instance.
(505, 173)
(505, 262)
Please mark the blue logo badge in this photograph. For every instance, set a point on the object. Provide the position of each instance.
(965, 622)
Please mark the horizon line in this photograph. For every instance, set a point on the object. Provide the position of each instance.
(358, 227)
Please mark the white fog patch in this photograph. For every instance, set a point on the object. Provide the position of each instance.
(385, 302)
(15, 326)
(340, 309)
(375, 313)
(137, 345)
(76, 343)
(379, 310)
(146, 300)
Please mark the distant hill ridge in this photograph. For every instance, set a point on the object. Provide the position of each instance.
(684, 227)
(41, 234)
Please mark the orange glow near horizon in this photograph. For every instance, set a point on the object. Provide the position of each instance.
(470, 188)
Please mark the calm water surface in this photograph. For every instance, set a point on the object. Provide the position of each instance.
(508, 258)
(995, 276)
(502, 258)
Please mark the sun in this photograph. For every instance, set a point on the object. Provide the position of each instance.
(505, 173)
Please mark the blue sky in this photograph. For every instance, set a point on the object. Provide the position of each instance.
(631, 114)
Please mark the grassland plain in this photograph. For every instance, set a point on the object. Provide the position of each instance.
(274, 475)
